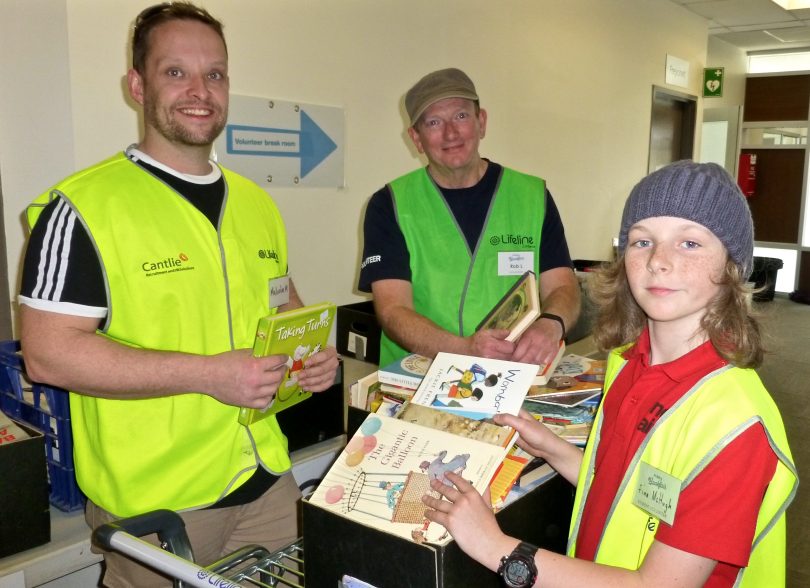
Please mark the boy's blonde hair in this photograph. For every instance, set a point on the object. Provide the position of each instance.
(706, 194)
(729, 322)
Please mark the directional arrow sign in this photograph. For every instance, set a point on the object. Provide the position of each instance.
(280, 143)
(311, 145)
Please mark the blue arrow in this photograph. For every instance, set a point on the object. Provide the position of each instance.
(315, 144)
(310, 144)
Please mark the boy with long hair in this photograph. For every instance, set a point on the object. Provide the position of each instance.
(687, 472)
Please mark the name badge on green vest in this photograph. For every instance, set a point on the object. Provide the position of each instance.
(515, 263)
(657, 493)
(279, 291)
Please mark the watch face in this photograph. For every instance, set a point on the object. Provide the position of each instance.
(517, 574)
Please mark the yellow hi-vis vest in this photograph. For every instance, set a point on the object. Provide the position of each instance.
(453, 286)
(176, 283)
(720, 407)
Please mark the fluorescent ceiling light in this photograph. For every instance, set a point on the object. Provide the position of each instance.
(793, 4)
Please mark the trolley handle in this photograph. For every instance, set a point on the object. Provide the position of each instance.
(167, 524)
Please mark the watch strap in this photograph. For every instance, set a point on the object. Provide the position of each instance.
(554, 317)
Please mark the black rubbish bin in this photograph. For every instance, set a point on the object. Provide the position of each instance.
(764, 276)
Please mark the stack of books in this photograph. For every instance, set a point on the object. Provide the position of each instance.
(391, 385)
(568, 402)
(444, 426)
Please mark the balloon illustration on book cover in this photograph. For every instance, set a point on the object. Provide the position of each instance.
(388, 495)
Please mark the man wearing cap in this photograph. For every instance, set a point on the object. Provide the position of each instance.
(445, 242)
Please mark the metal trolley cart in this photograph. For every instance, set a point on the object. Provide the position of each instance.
(249, 566)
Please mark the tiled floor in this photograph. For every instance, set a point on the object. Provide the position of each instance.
(786, 374)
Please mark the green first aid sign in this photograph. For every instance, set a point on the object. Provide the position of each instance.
(712, 82)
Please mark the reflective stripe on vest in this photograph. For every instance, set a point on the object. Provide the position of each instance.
(453, 286)
(718, 409)
(175, 283)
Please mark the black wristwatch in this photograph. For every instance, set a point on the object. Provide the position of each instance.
(518, 570)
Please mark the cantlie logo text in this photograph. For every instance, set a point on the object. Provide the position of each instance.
(268, 254)
(166, 266)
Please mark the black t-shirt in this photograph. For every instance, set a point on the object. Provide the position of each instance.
(383, 236)
(61, 264)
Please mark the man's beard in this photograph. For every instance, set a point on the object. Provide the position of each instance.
(175, 132)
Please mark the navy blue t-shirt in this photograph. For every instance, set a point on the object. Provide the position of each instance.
(384, 238)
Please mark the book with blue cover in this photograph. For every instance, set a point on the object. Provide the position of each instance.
(406, 372)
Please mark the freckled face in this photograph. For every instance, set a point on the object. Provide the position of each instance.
(673, 266)
(184, 86)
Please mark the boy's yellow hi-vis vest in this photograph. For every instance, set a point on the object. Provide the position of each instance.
(682, 443)
(176, 283)
(453, 286)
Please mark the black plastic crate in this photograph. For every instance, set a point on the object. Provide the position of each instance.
(47, 410)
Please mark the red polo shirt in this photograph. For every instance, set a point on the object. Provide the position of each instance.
(716, 514)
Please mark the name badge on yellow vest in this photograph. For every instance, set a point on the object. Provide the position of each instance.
(657, 493)
(279, 291)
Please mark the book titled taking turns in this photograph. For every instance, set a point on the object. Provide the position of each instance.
(298, 334)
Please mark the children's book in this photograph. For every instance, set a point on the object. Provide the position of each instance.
(379, 479)
(573, 375)
(516, 310)
(475, 387)
(545, 371)
(361, 390)
(537, 472)
(505, 478)
(572, 423)
(406, 372)
(298, 334)
(457, 425)
(566, 398)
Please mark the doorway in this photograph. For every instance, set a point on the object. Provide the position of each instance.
(672, 127)
(719, 137)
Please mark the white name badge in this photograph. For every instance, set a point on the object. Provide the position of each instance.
(279, 289)
(515, 263)
(657, 493)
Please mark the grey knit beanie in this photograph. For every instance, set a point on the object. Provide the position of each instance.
(700, 192)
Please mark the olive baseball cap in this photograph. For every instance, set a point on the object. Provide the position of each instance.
(435, 86)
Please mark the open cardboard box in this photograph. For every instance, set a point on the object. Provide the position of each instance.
(335, 545)
(25, 519)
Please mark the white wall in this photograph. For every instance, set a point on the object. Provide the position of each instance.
(36, 126)
(567, 84)
(735, 61)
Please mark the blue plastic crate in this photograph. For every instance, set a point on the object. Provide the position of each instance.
(47, 410)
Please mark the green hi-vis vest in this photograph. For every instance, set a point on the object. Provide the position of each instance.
(453, 286)
(175, 283)
(686, 438)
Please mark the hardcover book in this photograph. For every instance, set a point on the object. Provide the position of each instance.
(574, 377)
(516, 310)
(298, 334)
(406, 372)
(379, 479)
(475, 387)
(361, 390)
(545, 371)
